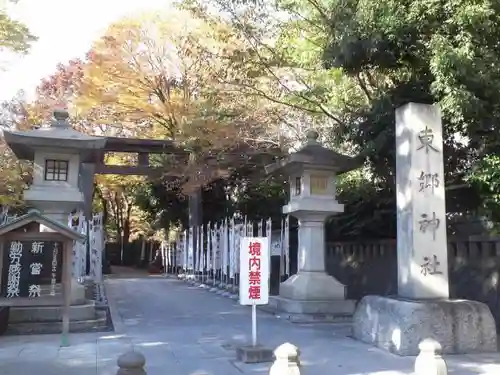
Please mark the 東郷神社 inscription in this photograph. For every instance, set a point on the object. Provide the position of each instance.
(421, 209)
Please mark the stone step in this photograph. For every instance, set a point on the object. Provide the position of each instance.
(99, 324)
(338, 312)
(27, 314)
(315, 318)
(307, 318)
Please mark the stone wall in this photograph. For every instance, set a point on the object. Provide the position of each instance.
(371, 268)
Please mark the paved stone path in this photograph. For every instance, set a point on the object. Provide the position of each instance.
(183, 330)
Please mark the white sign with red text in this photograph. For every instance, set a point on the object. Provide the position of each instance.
(254, 271)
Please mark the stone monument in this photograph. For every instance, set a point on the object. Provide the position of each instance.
(422, 310)
(312, 293)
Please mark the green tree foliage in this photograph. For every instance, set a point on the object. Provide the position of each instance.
(486, 177)
(421, 51)
(368, 58)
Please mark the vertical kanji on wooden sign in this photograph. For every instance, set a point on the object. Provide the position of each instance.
(28, 265)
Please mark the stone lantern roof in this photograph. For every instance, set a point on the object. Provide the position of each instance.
(59, 136)
(314, 156)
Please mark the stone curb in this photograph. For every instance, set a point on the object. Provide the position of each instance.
(116, 318)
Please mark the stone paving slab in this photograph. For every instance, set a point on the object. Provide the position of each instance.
(183, 330)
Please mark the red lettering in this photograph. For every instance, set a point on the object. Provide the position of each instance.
(254, 248)
(254, 292)
(254, 278)
(254, 262)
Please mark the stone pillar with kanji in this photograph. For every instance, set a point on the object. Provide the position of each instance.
(422, 309)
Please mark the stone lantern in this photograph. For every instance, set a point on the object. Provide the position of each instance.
(57, 152)
(312, 174)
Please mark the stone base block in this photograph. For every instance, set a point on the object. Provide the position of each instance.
(312, 286)
(98, 324)
(89, 287)
(51, 313)
(77, 293)
(338, 307)
(398, 325)
(296, 311)
(254, 354)
(311, 311)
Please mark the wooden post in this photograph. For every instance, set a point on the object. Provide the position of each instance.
(66, 287)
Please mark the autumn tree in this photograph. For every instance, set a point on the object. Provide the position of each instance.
(280, 57)
(59, 87)
(14, 173)
(150, 73)
(116, 195)
(14, 35)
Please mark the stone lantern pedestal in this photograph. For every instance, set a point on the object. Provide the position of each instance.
(311, 291)
(312, 294)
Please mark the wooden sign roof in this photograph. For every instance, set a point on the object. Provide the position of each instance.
(38, 217)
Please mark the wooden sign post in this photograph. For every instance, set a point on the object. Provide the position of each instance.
(32, 263)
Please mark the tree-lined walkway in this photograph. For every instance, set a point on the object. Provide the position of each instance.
(184, 330)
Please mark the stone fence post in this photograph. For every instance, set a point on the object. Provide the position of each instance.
(430, 361)
(287, 360)
(131, 363)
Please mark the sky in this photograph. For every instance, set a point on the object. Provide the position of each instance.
(66, 29)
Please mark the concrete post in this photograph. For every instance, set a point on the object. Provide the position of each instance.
(287, 360)
(430, 361)
(131, 363)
